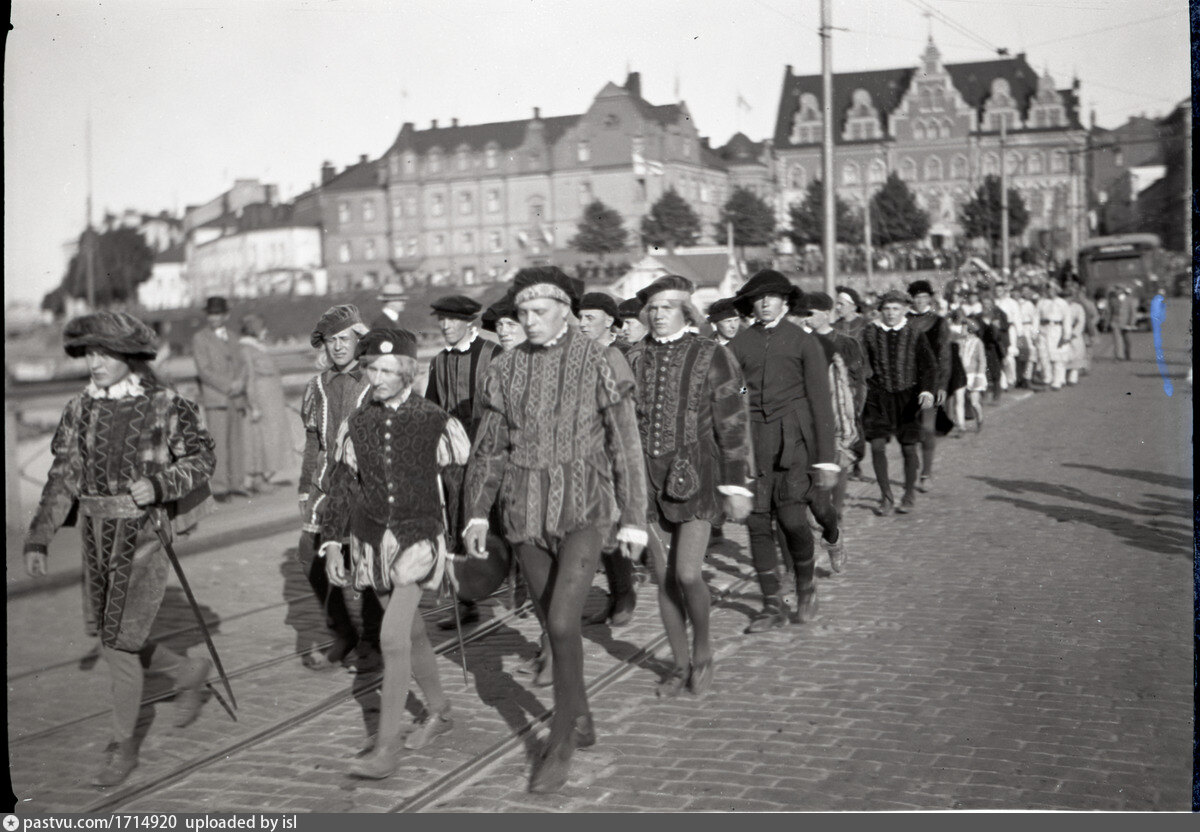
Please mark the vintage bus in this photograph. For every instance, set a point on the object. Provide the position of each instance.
(1132, 260)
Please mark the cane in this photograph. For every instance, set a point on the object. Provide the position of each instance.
(446, 582)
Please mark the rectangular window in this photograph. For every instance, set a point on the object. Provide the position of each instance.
(439, 243)
(493, 200)
(369, 250)
(490, 157)
(437, 205)
(343, 210)
(585, 193)
(412, 246)
(344, 252)
(584, 152)
(368, 210)
(705, 194)
(410, 205)
(466, 242)
(495, 241)
(466, 204)
(397, 248)
(410, 163)
(397, 209)
(435, 163)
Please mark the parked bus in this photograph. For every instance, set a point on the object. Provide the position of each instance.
(1132, 260)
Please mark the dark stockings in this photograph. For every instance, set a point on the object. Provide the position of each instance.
(678, 552)
(879, 461)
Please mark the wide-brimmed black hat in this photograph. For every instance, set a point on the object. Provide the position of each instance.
(336, 319)
(603, 301)
(920, 287)
(503, 308)
(546, 282)
(666, 283)
(216, 305)
(722, 309)
(765, 282)
(456, 306)
(117, 332)
(387, 342)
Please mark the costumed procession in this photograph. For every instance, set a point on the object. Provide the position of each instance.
(558, 436)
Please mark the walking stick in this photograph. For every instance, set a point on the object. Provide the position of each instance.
(462, 648)
(187, 590)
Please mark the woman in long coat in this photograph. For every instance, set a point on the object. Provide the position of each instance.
(131, 456)
(269, 435)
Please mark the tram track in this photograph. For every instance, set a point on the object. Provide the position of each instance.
(236, 673)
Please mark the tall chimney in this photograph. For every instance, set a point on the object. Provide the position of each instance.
(454, 122)
(537, 112)
(327, 172)
(362, 158)
(633, 83)
(433, 124)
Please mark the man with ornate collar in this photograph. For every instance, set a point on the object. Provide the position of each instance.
(792, 428)
(558, 446)
(899, 391)
(600, 320)
(329, 399)
(693, 421)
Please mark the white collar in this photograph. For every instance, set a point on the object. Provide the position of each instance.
(667, 339)
(126, 388)
(879, 323)
(394, 404)
(464, 345)
(249, 339)
(773, 323)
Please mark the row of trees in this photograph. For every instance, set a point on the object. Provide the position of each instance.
(895, 218)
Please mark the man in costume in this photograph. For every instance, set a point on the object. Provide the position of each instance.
(558, 446)
(693, 422)
(386, 505)
(925, 318)
(131, 456)
(222, 370)
(455, 379)
(329, 399)
(792, 428)
(899, 390)
(632, 328)
(726, 321)
(598, 318)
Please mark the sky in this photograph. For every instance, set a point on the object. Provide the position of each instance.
(185, 96)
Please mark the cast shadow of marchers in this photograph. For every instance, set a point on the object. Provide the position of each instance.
(176, 628)
(1135, 534)
(304, 613)
(1151, 477)
(1050, 489)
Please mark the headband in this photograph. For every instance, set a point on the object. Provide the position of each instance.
(542, 290)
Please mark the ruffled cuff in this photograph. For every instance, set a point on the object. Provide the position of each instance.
(475, 521)
(735, 491)
(827, 466)
(633, 534)
(326, 545)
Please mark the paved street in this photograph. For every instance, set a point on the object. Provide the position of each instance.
(1022, 641)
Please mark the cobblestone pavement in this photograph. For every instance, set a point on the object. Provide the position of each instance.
(1021, 641)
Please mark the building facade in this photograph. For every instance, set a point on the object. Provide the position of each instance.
(939, 126)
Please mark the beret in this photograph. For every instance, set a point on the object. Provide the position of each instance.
(630, 308)
(666, 283)
(118, 332)
(765, 282)
(216, 305)
(552, 282)
(456, 306)
(336, 319)
(920, 287)
(850, 293)
(503, 308)
(387, 342)
(721, 309)
(894, 296)
(817, 301)
(602, 301)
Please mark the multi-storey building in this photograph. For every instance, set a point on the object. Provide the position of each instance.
(351, 208)
(939, 126)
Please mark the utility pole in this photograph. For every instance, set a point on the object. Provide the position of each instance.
(830, 235)
(867, 225)
(1003, 198)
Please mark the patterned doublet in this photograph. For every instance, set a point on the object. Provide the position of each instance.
(455, 378)
(101, 447)
(899, 359)
(690, 407)
(328, 401)
(558, 443)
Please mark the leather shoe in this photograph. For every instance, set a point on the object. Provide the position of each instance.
(121, 760)
(377, 765)
(907, 505)
(925, 483)
(585, 731)
(886, 508)
(544, 677)
(772, 617)
(806, 605)
(367, 658)
(190, 682)
(467, 614)
(622, 610)
(551, 773)
(837, 553)
(702, 677)
(671, 684)
(429, 729)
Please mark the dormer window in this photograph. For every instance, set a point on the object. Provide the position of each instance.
(1001, 107)
(491, 157)
(807, 122)
(583, 152)
(1046, 109)
(410, 163)
(435, 161)
(464, 159)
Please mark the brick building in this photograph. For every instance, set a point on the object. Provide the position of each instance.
(938, 126)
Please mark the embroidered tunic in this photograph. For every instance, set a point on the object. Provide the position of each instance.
(383, 492)
(328, 401)
(558, 443)
(693, 421)
(102, 446)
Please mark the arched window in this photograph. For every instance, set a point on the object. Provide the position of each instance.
(933, 168)
(1034, 163)
(1013, 163)
(959, 169)
(991, 165)
(849, 173)
(435, 161)
(918, 130)
(797, 177)
(908, 169)
(464, 158)
(877, 172)
(1058, 161)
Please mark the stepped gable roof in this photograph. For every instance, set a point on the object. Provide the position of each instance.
(887, 87)
(356, 177)
(504, 134)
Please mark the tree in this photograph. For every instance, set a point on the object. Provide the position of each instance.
(671, 222)
(808, 218)
(122, 261)
(980, 216)
(895, 215)
(600, 231)
(753, 219)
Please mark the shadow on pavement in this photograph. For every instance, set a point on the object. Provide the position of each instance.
(1152, 477)
(1135, 534)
